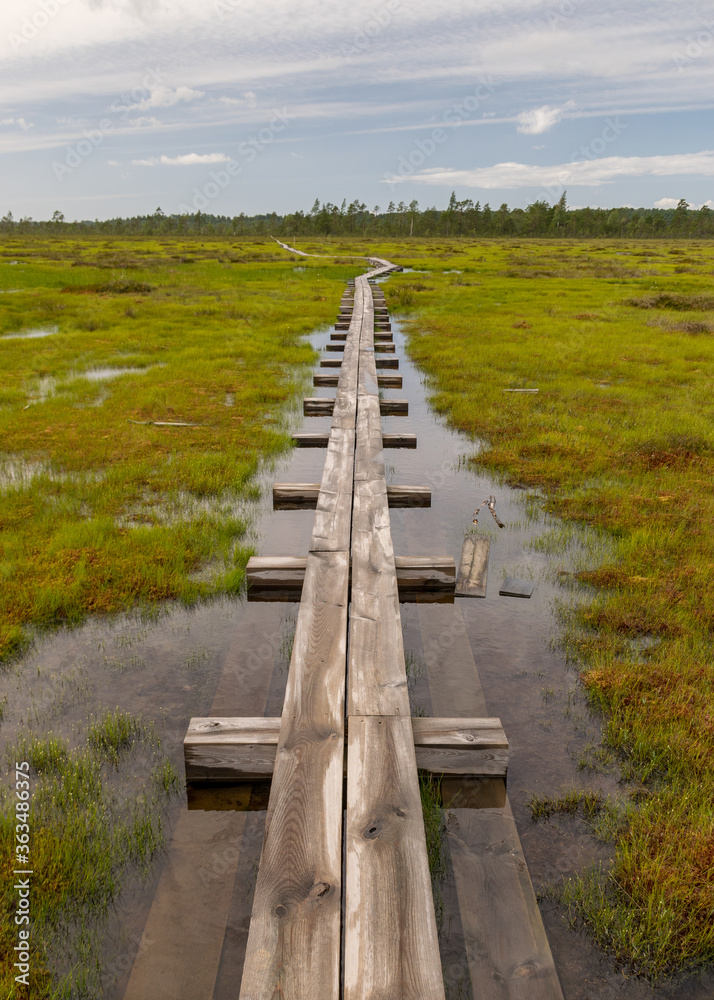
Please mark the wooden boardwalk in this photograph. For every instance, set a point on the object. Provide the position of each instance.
(349, 912)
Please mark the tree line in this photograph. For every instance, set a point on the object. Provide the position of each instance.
(459, 219)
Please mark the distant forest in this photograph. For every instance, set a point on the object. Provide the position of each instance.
(461, 218)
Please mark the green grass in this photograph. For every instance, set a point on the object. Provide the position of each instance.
(619, 340)
(99, 508)
(86, 840)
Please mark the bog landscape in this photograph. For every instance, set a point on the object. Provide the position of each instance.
(151, 387)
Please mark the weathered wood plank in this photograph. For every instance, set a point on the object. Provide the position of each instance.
(239, 749)
(513, 587)
(473, 568)
(412, 572)
(391, 945)
(303, 496)
(383, 381)
(508, 951)
(181, 944)
(384, 348)
(331, 363)
(294, 941)
(321, 439)
(334, 347)
(390, 440)
(386, 362)
(318, 406)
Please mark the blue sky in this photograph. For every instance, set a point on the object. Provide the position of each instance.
(115, 107)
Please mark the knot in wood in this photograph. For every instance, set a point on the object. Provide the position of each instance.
(320, 889)
(281, 911)
(372, 830)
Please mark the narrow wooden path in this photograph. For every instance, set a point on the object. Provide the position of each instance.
(349, 913)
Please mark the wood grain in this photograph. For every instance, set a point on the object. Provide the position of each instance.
(391, 945)
(303, 496)
(473, 568)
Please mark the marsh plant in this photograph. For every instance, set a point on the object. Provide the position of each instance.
(132, 428)
(91, 830)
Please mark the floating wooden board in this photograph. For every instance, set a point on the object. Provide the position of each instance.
(244, 749)
(513, 587)
(473, 568)
(303, 496)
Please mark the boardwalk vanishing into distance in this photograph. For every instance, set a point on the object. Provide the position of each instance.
(346, 909)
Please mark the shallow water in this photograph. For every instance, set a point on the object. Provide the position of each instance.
(230, 657)
(34, 334)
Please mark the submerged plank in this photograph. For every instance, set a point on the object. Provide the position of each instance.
(473, 568)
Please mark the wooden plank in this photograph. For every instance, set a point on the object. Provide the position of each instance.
(386, 362)
(321, 439)
(331, 363)
(243, 749)
(334, 347)
(391, 945)
(294, 941)
(384, 348)
(399, 440)
(339, 336)
(303, 496)
(181, 945)
(473, 568)
(412, 572)
(305, 439)
(508, 951)
(394, 407)
(384, 338)
(318, 406)
(512, 587)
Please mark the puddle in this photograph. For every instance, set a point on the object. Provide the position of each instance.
(36, 334)
(101, 374)
(231, 657)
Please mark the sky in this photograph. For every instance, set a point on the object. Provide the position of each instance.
(118, 107)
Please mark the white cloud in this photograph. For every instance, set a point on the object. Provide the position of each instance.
(539, 120)
(165, 97)
(590, 173)
(666, 203)
(24, 125)
(187, 160)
